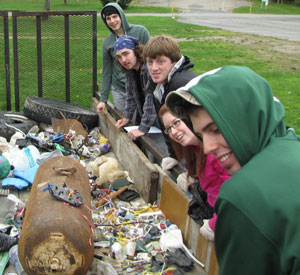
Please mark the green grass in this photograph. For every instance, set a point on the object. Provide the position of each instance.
(272, 8)
(208, 53)
(149, 9)
(74, 5)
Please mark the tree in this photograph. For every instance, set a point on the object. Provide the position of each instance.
(47, 5)
(123, 3)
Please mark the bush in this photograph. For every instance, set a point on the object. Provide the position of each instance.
(123, 3)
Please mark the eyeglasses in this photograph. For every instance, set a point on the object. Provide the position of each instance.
(174, 125)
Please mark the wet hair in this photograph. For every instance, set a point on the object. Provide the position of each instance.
(138, 51)
(194, 162)
(162, 45)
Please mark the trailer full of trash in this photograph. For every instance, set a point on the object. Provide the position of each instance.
(78, 200)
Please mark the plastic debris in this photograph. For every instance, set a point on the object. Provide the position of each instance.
(65, 194)
(128, 233)
(6, 242)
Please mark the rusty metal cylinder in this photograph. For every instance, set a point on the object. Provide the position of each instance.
(56, 238)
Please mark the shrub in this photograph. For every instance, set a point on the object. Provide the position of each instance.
(123, 3)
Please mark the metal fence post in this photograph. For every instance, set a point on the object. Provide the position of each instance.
(16, 63)
(67, 57)
(39, 56)
(7, 62)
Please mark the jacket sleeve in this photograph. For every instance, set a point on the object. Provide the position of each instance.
(212, 222)
(212, 178)
(140, 32)
(170, 149)
(144, 36)
(149, 114)
(130, 104)
(107, 63)
(240, 247)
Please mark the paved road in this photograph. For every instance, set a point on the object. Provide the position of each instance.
(279, 26)
(217, 14)
(198, 5)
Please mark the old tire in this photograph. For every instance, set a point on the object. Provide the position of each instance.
(17, 120)
(42, 109)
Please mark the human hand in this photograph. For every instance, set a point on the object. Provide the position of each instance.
(134, 134)
(206, 231)
(101, 107)
(122, 122)
(168, 163)
(182, 181)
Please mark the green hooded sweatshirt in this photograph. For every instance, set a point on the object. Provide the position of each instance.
(258, 208)
(111, 72)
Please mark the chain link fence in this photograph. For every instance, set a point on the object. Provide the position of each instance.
(54, 56)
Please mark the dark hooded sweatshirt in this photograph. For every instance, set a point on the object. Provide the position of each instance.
(179, 76)
(111, 72)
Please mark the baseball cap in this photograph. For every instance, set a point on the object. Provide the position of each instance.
(177, 102)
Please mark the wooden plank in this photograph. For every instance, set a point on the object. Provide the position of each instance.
(140, 169)
(147, 144)
(174, 204)
(214, 267)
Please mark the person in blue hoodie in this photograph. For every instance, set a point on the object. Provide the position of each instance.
(112, 78)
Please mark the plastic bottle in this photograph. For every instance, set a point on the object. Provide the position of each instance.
(25, 158)
(131, 247)
(117, 251)
(14, 260)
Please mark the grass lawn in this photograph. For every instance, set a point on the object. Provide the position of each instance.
(211, 48)
(275, 59)
(272, 8)
(75, 5)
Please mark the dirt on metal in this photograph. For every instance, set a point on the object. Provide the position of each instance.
(56, 237)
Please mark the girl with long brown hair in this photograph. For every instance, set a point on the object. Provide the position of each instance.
(189, 149)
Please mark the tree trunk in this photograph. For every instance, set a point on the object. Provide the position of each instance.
(47, 5)
(65, 1)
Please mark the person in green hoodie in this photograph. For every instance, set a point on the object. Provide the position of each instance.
(233, 110)
(112, 78)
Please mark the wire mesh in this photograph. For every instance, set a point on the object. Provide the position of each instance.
(54, 56)
(26, 58)
(2, 65)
